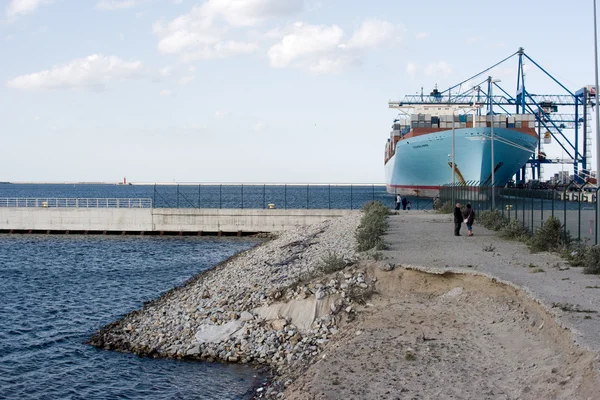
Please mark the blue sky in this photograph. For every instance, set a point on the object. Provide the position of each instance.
(250, 90)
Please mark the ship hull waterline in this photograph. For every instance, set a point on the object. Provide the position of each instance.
(422, 164)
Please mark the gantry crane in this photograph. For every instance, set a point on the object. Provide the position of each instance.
(570, 128)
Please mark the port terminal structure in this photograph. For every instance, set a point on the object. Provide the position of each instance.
(564, 117)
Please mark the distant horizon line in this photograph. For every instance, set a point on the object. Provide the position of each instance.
(187, 183)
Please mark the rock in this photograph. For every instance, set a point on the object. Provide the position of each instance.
(278, 324)
(246, 316)
(320, 294)
(194, 351)
(386, 266)
(233, 359)
(455, 292)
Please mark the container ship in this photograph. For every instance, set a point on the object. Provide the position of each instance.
(418, 154)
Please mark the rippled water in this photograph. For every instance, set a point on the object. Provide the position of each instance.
(55, 291)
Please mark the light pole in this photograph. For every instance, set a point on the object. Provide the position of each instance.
(492, 135)
(453, 169)
(597, 120)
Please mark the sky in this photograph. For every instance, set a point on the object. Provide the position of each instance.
(252, 91)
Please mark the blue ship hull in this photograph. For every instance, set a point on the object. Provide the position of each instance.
(423, 163)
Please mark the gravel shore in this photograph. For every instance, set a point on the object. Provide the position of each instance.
(265, 306)
(431, 320)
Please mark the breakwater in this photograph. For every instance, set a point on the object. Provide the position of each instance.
(158, 220)
(263, 306)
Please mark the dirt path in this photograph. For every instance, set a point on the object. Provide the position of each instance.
(449, 337)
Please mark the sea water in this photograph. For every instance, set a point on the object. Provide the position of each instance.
(55, 291)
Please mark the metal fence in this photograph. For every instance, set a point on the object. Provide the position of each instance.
(573, 205)
(286, 196)
(75, 203)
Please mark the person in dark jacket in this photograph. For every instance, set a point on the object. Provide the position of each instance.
(404, 202)
(469, 216)
(458, 219)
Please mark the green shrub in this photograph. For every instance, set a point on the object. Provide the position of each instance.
(372, 226)
(514, 229)
(332, 262)
(492, 220)
(442, 208)
(574, 253)
(548, 237)
(591, 264)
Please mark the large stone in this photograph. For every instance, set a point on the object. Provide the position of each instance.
(246, 316)
(278, 324)
(386, 266)
(194, 351)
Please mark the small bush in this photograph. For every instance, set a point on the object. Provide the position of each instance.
(489, 248)
(492, 220)
(442, 208)
(372, 226)
(514, 229)
(360, 295)
(548, 237)
(591, 264)
(332, 262)
(574, 253)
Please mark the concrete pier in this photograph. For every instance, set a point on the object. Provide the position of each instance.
(207, 221)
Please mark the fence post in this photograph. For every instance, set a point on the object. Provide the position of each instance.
(532, 204)
(285, 196)
(524, 207)
(199, 186)
(542, 211)
(350, 196)
(264, 195)
(307, 186)
(242, 196)
(154, 195)
(565, 211)
(220, 194)
(178, 195)
(330, 196)
(596, 218)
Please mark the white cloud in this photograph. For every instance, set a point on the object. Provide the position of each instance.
(438, 69)
(192, 68)
(93, 71)
(209, 30)
(372, 33)
(220, 50)
(166, 93)
(16, 7)
(322, 49)
(165, 71)
(421, 35)
(222, 113)
(307, 41)
(110, 5)
(411, 69)
(184, 80)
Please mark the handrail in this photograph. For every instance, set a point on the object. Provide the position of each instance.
(17, 202)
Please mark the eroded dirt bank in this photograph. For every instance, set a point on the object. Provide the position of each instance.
(449, 336)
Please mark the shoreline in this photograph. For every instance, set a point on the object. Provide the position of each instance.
(275, 307)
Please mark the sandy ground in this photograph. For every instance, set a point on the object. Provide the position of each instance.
(463, 336)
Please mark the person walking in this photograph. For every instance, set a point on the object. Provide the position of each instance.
(469, 216)
(398, 201)
(404, 202)
(458, 219)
